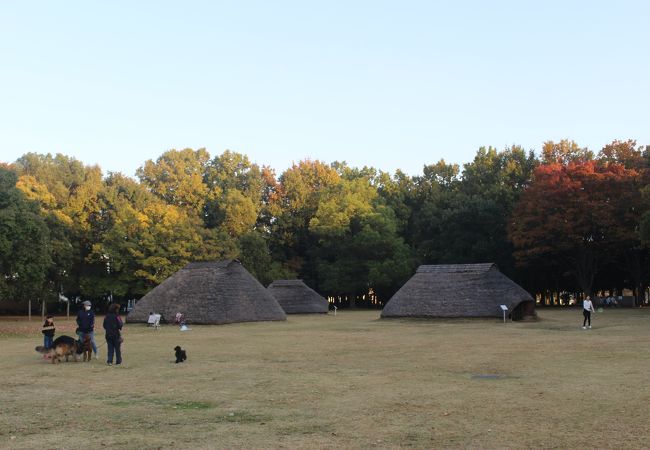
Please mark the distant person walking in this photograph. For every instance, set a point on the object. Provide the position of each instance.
(86, 324)
(113, 326)
(587, 309)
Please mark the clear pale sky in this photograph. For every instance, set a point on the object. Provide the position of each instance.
(387, 84)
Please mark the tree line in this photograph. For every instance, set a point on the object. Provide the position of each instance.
(566, 220)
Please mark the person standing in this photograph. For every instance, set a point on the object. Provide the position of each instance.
(179, 318)
(113, 326)
(587, 309)
(48, 332)
(86, 324)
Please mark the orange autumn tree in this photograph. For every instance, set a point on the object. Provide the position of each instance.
(576, 214)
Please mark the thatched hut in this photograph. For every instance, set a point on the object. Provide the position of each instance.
(214, 292)
(460, 290)
(295, 297)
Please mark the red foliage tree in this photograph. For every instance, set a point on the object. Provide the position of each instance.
(577, 214)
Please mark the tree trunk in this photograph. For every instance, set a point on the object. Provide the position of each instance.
(585, 265)
(636, 262)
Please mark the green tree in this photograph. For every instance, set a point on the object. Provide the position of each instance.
(67, 192)
(430, 198)
(254, 254)
(294, 204)
(238, 194)
(24, 244)
(397, 192)
(143, 240)
(358, 252)
(564, 152)
(177, 176)
(462, 218)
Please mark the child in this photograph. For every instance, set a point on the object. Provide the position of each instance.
(48, 332)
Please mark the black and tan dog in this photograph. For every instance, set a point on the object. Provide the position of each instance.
(86, 348)
(62, 346)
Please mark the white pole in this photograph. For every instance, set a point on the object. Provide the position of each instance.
(504, 308)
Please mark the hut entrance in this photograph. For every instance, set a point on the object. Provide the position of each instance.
(523, 311)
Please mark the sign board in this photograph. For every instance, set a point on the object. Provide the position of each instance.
(504, 308)
(153, 319)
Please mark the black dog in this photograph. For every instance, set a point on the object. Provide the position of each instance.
(180, 354)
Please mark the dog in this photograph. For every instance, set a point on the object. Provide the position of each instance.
(86, 348)
(62, 346)
(181, 355)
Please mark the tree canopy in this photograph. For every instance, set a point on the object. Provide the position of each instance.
(570, 219)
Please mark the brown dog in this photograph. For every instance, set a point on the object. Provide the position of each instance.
(62, 346)
(86, 348)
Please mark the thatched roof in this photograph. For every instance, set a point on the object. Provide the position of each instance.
(213, 292)
(295, 297)
(459, 290)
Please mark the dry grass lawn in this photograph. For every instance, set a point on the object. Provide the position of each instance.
(350, 381)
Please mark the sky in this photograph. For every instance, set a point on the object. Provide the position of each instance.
(393, 85)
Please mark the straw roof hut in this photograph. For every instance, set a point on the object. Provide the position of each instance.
(214, 292)
(460, 290)
(295, 297)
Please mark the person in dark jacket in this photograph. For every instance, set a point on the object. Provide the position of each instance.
(48, 332)
(86, 324)
(113, 326)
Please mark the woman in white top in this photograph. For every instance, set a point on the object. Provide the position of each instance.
(587, 308)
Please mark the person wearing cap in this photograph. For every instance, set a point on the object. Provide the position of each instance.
(86, 324)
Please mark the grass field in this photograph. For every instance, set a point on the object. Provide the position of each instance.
(350, 381)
